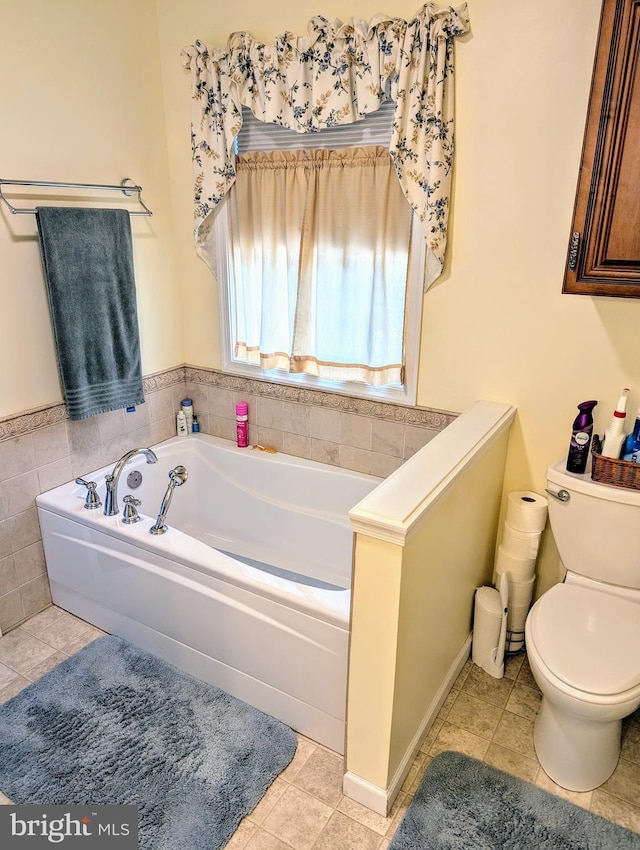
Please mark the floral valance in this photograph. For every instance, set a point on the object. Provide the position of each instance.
(336, 74)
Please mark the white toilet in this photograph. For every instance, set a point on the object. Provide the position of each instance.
(583, 636)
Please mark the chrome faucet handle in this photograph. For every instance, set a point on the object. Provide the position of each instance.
(130, 514)
(93, 500)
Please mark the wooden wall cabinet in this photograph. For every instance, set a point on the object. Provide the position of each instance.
(604, 248)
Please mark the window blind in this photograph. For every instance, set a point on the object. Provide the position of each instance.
(374, 129)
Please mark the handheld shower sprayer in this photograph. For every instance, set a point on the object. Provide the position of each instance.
(177, 477)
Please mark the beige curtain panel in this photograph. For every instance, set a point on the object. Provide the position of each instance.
(290, 215)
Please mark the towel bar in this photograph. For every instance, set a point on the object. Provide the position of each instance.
(127, 187)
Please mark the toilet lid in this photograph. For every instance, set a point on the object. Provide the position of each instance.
(588, 639)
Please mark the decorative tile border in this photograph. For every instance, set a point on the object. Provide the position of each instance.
(425, 417)
(32, 420)
(160, 380)
(41, 417)
(24, 423)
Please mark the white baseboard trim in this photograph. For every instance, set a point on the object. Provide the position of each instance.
(379, 799)
(362, 791)
(427, 721)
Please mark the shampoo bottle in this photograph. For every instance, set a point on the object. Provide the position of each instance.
(187, 409)
(614, 435)
(181, 424)
(581, 438)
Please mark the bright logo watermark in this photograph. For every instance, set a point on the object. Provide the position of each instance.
(101, 827)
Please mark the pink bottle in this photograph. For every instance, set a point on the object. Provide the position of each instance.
(242, 427)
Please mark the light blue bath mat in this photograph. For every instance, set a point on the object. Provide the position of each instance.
(464, 804)
(114, 724)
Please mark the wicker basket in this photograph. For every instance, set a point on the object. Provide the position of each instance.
(608, 470)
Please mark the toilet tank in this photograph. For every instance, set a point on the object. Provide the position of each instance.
(597, 530)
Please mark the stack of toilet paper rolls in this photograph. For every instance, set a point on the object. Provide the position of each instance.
(516, 557)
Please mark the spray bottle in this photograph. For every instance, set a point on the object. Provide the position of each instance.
(581, 438)
(631, 449)
(614, 435)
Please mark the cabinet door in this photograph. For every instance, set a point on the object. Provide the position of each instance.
(604, 249)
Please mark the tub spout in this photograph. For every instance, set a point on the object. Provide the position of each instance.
(177, 477)
(111, 499)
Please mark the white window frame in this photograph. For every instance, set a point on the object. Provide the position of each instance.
(405, 395)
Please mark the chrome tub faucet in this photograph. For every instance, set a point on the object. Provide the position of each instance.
(111, 498)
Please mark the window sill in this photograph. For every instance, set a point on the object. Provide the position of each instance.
(404, 395)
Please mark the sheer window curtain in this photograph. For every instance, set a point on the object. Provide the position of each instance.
(318, 237)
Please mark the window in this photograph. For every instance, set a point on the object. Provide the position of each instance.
(320, 262)
(334, 78)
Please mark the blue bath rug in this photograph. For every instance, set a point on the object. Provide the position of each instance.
(114, 724)
(464, 804)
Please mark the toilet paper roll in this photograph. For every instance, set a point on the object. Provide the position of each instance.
(526, 511)
(521, 592)
(516, 617)
(518, 569)
(522, 544)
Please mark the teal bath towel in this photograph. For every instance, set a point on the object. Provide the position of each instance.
(88, 268)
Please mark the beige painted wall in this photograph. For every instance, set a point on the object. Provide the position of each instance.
(443, 564)
(81, 101)
(497, 326)
(373, 657)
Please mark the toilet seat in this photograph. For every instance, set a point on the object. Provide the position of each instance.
(587, 639)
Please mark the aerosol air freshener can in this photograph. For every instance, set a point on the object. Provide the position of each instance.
(581, 438)
(242, 424)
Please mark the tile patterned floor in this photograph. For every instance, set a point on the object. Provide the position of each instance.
(490, 719)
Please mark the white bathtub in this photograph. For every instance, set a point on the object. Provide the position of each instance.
(268, 622)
